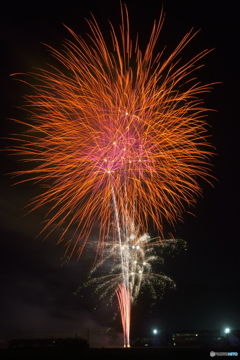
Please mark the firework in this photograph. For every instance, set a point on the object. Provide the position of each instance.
(119, 134)
(140, 253)
(129, 269)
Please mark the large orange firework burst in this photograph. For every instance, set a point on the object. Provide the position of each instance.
(120, 134)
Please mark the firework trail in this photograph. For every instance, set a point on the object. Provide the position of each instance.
(118, 134)
(124, 300)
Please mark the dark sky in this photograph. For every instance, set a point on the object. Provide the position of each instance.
(37, 291)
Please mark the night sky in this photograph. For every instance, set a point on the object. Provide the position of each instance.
(37, 286)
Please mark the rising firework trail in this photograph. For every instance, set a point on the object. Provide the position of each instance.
(119, 136)
(124, 300)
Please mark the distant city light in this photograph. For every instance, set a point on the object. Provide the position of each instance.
(227, 331)
(155, 331)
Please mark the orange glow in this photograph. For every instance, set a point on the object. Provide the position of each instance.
(117, 126)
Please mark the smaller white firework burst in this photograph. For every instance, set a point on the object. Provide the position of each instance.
(131, 263)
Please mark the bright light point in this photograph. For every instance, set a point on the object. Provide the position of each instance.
(139, 160)
(135, 261)
(130, 161)
(144, 263)
(133, 247)
(138, 247)
(140, 271)
(108, 171)
(124, 149)
(114, 143)
(104, 159)
(155, 331)
(126, 113)
(227, 331)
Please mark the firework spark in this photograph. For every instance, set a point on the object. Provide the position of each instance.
(118, 134)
